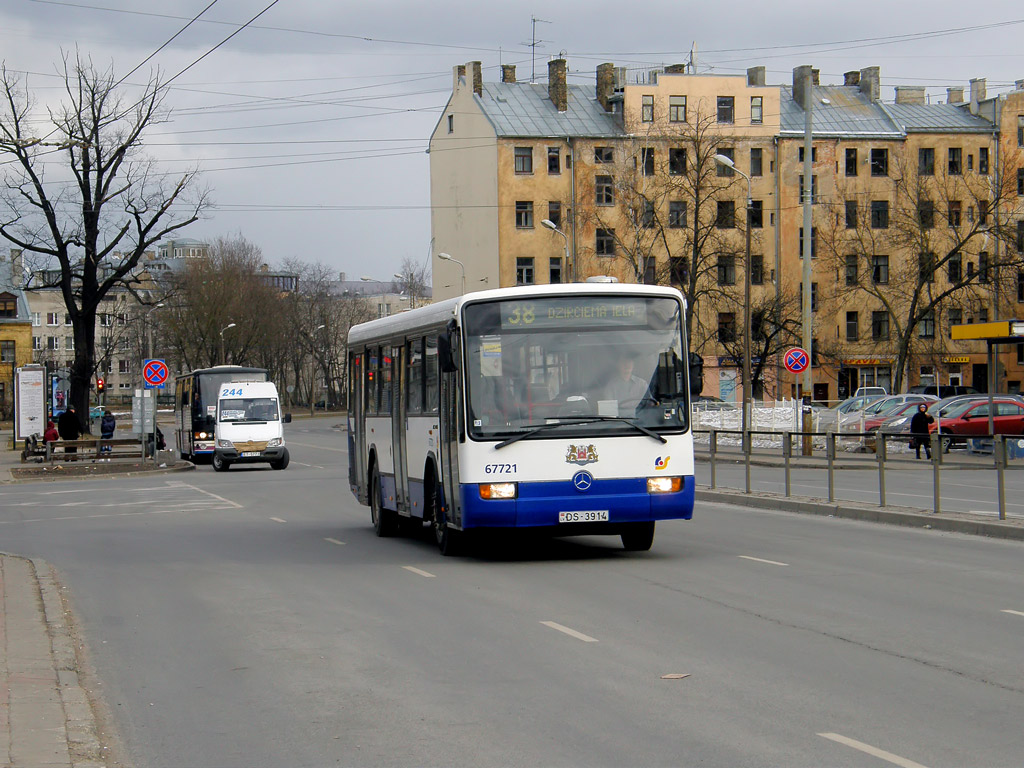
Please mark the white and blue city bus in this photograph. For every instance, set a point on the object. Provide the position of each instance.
(562, 408)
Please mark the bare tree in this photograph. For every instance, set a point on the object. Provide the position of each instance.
(774, 327)
(95, 219)
(414, 281)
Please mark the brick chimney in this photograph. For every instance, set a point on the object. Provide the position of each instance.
(802, 85)
(978, 93)
(851, 78)
(605, 85)
(478, 78)
(755, 76)
(557, 90)
(816, 77)
(508, 73)
(871, 82)
(910, 94)
(675, 69)
(955, 95)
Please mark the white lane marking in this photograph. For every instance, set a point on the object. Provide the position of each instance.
(759, 560)
(418, 572)
(110, 514)
(1015, 613)
(214, 495)
(570, 632)
(889, 757)
(318, 447)
(334, 541)
(278, 520)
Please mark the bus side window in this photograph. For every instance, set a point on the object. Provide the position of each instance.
(433, 394)
(414, 388)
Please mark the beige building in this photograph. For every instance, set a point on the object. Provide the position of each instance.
(916, 211)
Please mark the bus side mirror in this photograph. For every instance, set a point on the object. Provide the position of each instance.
(444, 349)
(287, 418)
(696, 374)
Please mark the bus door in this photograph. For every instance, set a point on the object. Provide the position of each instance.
(452, 427)
(356, 422)
(399, 426)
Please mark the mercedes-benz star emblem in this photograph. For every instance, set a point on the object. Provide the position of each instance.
(582, 481)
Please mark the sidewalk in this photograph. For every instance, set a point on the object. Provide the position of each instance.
(45, 715)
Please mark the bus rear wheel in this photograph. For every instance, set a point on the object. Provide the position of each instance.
(384, 523)
(638, 538)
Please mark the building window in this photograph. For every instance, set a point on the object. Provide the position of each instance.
(524, 270)
(879, 214)
(814, 189)
(555, 269)
(756, 269)
(52, 319)
(677, 109)
(37, 341)
(679, 270)
(879, 162)
(647, 215)
(725, 215)
(723, 169)
(8, 305)
(926, 214)
(647, 161)
(1020, 130)
(814, 296)
(756, 162)
(123, 366)
(926, 326)
(983, 161)
(67, 317)
(880, 269)
(524, 159)
(955, 161)
(36, 320)
(926, 161)
(647, 109)
(851, 214)
(726, 327)
(757, 109)
(650, 271)
(69, 343)
(1020, 236)
(451, 123)
(53, 343)
(955, 268)
(954, 213)
(555, 212)
(756, 214)
(983, 272)
(524, 214)
(852, 326)
(605, 242)
(1020, 287)
(676, 162)
(956, 317)
(851, 162)
(800, 154)
(814, 242)
(6, 351)
(879, 326)
(726, 109)
(852, 270)
(727, 269)
(983, 315)
(926, 267)
(605, 190)
(1020, 181)
(603, 155)
(554, 161)
(677, 214)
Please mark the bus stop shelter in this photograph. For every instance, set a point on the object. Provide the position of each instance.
(1001, 332)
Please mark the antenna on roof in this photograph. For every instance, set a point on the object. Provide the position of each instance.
(532, 45)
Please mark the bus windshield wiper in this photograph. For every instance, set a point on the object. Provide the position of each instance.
(578, 420)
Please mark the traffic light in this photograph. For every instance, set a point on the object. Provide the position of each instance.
(100, 385)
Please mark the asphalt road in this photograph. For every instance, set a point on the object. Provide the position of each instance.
(252, 619)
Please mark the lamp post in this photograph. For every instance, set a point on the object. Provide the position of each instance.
(448, 257)
(149, 330)
(226, 327)
(728, 163)
(554, 228)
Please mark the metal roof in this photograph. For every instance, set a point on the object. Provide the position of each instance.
(839, 110)
(524, 109)
(944, 118)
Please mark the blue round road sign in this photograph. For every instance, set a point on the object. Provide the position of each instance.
(796, 360)
(155, 373)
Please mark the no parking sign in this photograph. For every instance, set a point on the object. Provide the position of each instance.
(154, 374)
(796, 360)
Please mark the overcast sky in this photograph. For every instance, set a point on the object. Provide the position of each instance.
(311, 124)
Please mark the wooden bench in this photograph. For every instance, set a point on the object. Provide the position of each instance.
(92, 449)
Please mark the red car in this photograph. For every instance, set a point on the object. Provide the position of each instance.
(872, 424)
(972, 418)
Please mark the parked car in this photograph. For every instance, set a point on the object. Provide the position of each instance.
(870, 391)
(709, 403)
(893, 421)
(882, 407)
(971, 418)
(829, 418)
(942, 390)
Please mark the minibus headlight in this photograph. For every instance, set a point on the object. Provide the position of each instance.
(224, 444)
(202, 435)
(275, 442)
(498, 490)
(664, 484)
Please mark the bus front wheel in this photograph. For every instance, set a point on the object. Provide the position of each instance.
(384, 523)
(220, 464)
(448, 539)
(638, 538)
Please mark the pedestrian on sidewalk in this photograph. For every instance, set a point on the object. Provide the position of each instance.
(69, 428)
(919, 430)
(51, 433)
(107, 426)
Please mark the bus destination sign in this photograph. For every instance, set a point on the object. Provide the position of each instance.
(572, 312)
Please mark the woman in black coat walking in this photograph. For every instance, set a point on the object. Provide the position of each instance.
(919, 430)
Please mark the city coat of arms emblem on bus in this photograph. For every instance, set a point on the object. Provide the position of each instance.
(581, 454)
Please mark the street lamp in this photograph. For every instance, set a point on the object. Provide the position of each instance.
(728, 163)
(312, 370)
(448, 257)
(554, 228)
(226, 327)
(149, 330)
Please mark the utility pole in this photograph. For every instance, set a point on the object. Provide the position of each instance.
(804, 74)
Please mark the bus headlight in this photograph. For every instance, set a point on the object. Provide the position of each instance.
(224, 444)
(275, 442)
(664, 484)
(498, 490)
(202, 435)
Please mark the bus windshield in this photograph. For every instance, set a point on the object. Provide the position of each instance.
(605, 361)
(248, 409)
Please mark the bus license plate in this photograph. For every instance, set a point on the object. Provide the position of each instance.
(589, 516)
(250, 454)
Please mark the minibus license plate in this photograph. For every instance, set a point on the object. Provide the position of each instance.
(248, 454)
(589, 516)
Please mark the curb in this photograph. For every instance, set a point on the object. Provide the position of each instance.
(180, 466)
(905, 516)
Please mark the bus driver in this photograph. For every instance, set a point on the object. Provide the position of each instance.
(625, 387)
